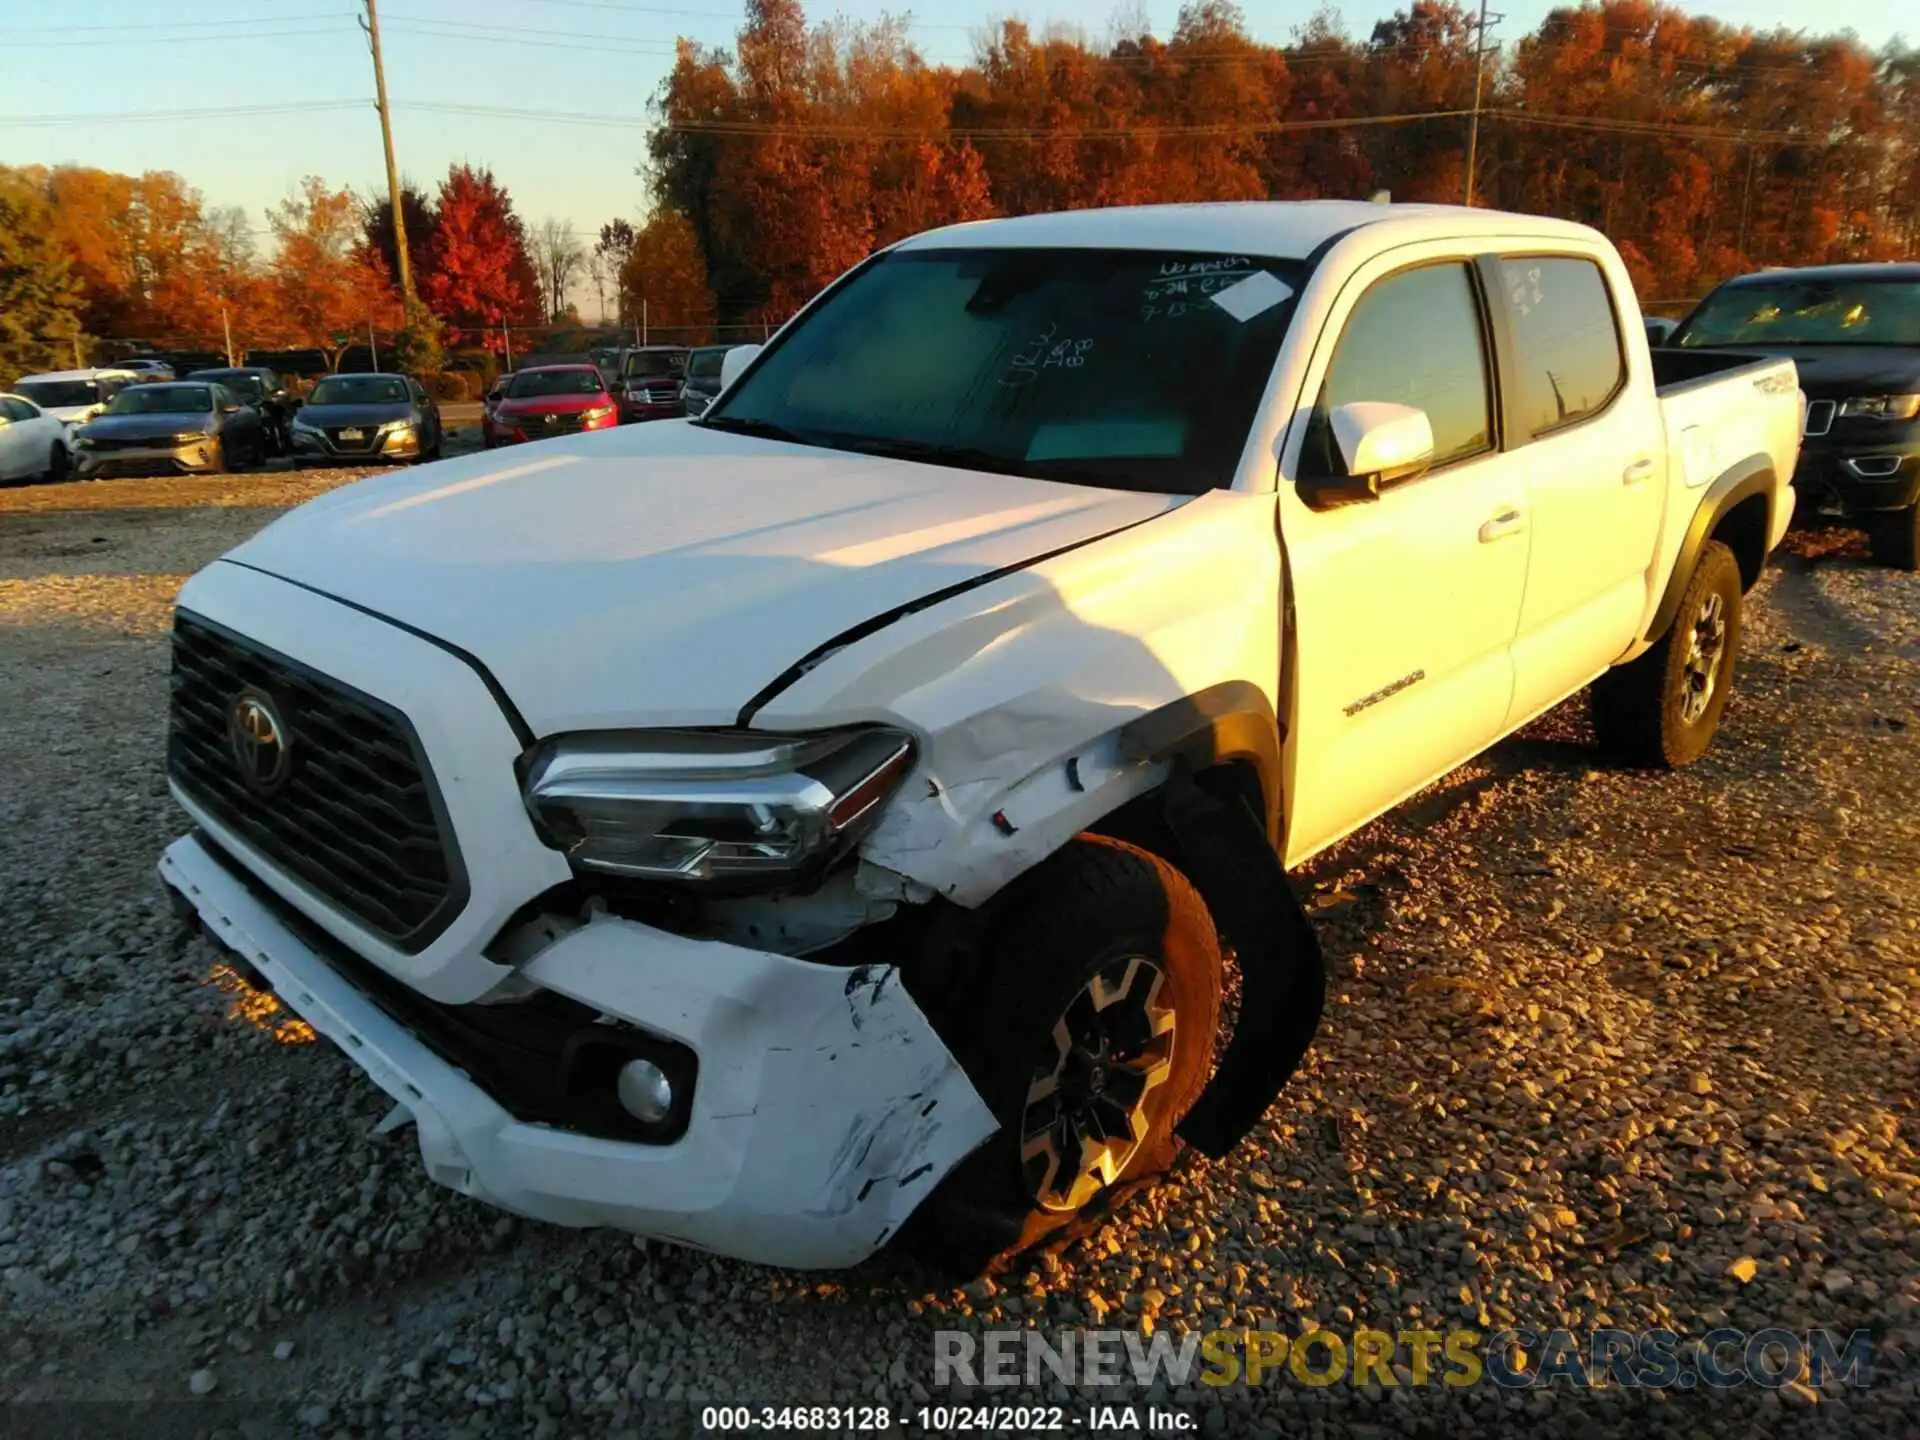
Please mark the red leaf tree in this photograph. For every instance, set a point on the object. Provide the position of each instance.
(478, 274)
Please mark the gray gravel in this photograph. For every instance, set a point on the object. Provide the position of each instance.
(1603, 1049)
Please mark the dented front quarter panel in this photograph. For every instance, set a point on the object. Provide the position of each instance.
(1018, 690)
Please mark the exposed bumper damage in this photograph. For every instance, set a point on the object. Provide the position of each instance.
(824, 1111)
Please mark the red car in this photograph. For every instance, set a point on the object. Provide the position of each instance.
(547, 400)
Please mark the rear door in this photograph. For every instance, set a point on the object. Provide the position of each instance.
(16, 438)
(1583, 415)
(1404, 608)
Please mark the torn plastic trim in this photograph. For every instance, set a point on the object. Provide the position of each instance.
(856, 633)
(1229, 722)
(1282, 969)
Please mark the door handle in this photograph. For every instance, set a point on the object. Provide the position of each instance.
(1507, 522)
(1635, 473)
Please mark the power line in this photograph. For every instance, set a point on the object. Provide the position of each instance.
(174, 39)
(222, 112)
(174, 24)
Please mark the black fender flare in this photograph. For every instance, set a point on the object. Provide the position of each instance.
(1750, 477)
(1229, 722)
(1283, 974)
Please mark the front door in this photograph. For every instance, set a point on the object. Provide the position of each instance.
(1404, 608)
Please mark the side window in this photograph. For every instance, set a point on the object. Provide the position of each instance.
(1415, 338)
(1569, 362)
(18, 410)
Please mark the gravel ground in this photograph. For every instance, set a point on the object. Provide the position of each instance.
(1602, 1049)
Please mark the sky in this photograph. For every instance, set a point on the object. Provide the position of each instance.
(304, 65)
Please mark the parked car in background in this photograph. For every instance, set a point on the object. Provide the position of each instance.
(33, 444)
(267, 392)
(828, 815)
(148, 368)
(544, 401)
(171, 427)
(74, 396)
(1853, 332)
(1659, 329)
(649, 384)
(703, 377)
(375, 417)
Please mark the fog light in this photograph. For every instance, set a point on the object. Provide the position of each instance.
(644, 1091)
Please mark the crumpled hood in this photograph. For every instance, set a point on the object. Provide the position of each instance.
(665, 574)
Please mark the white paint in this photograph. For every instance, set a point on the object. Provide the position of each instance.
(26, 442)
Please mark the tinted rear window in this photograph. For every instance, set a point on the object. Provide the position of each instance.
(1570, 361)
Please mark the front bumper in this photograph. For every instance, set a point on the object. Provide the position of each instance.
(315, 445)
(165, 458)
(635, 414)
(1856, 474)
(824, 1107)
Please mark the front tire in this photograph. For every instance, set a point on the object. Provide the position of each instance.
(59, 464)
(219, 464)
(1662, 709)
(1092, 1037)
(1894, 538)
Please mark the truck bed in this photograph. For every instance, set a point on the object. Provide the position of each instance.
(1678, 370)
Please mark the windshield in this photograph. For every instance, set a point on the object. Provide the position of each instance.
(1130, 369)
(660, 363)
(56, 394)
(705, 364)
(247, 387)
(162, 400)
(359, 390)
(1803, 311)
(554, 382)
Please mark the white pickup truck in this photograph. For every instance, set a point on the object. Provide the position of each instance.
(824, 821)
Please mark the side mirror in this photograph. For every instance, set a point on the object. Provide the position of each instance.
(733, 362)
(1382, 445)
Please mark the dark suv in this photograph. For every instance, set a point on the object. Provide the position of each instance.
(648, 385)
(703, 377)
(1854, 333)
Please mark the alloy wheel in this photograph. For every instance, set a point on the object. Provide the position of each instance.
(1086, 1108)
(1706, 645)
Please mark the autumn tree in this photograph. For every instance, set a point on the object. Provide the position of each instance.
(40, 297)
(478, 275)
(329, 290)
(665, 281)
(416, 212)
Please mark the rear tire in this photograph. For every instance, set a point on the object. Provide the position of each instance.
(1092, 1037)
(1662, 709)
(1894, 537)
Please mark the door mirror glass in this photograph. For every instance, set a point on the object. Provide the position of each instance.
(734, 361)
(1381, 444)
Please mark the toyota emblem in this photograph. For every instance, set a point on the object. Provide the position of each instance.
(258, 738)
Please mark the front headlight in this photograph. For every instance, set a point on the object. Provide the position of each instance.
(599, 412)
(710, 805)
(302, 427)
(396, 427)
(188, 437)
(1883, 407)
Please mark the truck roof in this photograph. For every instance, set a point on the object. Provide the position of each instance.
(1288, 229)
(1864, 270)
(110, 371)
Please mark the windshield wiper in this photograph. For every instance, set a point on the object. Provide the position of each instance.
(969, 457)
(762, 429)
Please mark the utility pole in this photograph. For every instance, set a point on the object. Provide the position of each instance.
(226, 327)
(371, 24)
(1479, 88)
